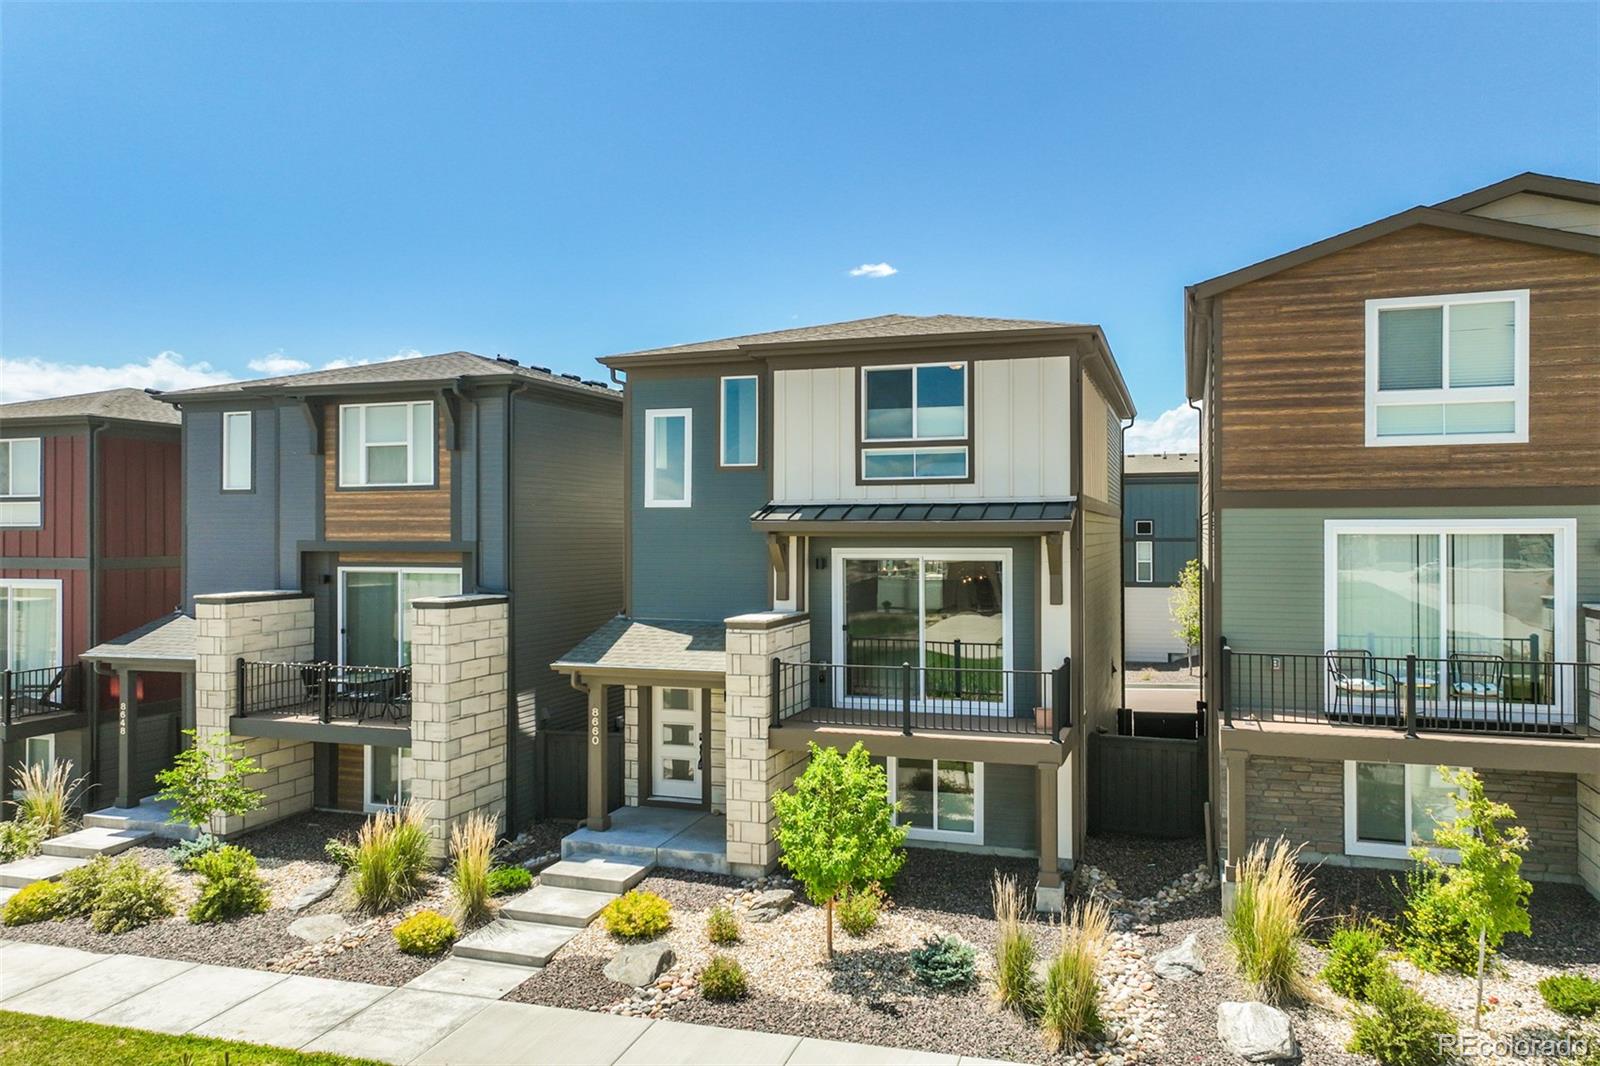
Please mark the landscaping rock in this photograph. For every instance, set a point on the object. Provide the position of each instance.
(1182, 962)
(770, 904)
(315, 892)
(1256, 1032)
(640, 964)
(318, 927)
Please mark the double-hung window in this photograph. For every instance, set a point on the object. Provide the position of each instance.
(741, 421)
(668, 457)
(915, 423)
(1390, 807)
(19, 481)
(386, 444)
(237, 473)
(1144, 563)
(1448, 369)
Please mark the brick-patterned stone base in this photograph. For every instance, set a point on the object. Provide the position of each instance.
(755, 773)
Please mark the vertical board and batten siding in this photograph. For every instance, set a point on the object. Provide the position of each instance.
(63, 532)
(1021, 444)
(75, 636)
(141, 496)
(1532, 209)
(701, 562)
(231, 538)
(422, 513)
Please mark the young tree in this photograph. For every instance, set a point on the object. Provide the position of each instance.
(1486, 886)
(836, 826)
(1184, 606)
(208, 779)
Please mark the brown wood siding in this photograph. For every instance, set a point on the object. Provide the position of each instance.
(64, 517)
(348, 772)
(1291, 404)
(384, 514)
(74, 606)
(400, 559)
(141, 497)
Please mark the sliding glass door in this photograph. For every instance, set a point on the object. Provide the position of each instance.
(30, 624)
(374, 619)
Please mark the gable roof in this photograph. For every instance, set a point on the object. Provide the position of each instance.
(420, 370)
(125, 405)
(169, 639)
(650, 644)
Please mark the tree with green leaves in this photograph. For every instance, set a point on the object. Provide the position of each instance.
(836, 827)
(207, 779)
(1485, 886)
(1183, 604)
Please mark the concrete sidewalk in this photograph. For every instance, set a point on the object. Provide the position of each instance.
(397, 1025)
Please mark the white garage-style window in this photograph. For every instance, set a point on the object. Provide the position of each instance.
(938, 799)
(1391, 807)
(20, 478)
(238, 474)
(668, 457)
(1448, 369)
(386, 444)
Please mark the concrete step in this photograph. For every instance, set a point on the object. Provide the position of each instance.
(595, 874)
(6, 893)
(553, 905)
(95, 840)
(37, 868)
(150, 816)
(516, 943)
(632, 854)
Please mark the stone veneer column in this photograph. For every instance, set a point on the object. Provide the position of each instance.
(276, 626)
(630, 745)
(458, 710)
(754, 772)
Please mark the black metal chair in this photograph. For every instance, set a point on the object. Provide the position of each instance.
(1477, 682)
(1355, 677)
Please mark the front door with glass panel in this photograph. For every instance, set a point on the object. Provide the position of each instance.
(676, 752)
(375, 620)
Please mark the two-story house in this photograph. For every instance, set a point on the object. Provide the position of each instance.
(903, 531)
(90, 547)
(323, 509)
(1401, 534)
(1160, 535)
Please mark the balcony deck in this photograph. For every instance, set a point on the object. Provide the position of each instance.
(323, 701)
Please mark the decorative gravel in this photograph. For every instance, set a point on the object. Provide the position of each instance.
(1142, 866)
(539, 839)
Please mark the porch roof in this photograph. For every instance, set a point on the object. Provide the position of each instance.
(166, 644)
(1025, 517)
(650, 646)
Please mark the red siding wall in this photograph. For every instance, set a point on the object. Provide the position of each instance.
(130, 598)
(141, 498)
(65, 530)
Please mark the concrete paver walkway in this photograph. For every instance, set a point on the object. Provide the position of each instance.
(398, 1025)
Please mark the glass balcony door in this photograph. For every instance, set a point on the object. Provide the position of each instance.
(30, 624)
(374, 615)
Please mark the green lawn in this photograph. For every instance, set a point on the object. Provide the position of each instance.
(28, 1038)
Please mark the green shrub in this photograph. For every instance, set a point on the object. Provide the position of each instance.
(230, 886)
(721, 925)
(1069, 1007)
(1270, 904)
(391, 857)
(1015, 986)
(340, 852)
(32, 903)
(507, 880)
(47, 796)
(185, 853)
(945, 965)
(1436, 932)
(1355, 961)
(1401, 1028)
(722, 979)
(19, 839)
(425, 933)
(1572, 994)
(80, 888)
(132, 896)
(858, 912)
(637, 915)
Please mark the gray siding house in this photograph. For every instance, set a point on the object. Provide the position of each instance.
(902, 531)
(1160, 534)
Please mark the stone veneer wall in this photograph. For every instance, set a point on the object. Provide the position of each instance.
(755, 772)
(274, 626)
(458, 710)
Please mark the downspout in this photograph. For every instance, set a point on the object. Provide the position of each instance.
(627, 491)
(508, 529)
(1122, 562)
(92, 691)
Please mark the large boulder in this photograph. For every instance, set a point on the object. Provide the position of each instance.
(640, 964)
(1182, 962)
(1256, 1032)
(315, 892)
(318, 927)
(770, 904)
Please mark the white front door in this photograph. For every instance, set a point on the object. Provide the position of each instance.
(676, 752)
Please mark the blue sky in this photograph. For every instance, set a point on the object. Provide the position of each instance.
(190, 189)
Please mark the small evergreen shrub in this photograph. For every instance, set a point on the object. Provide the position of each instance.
(340, 852)
(858, 912)
(19, 839)
(185, 853)
(1401, 1028)
(721, 925)
(1015, 986)
(80, 888)
(1069, 1006)
(391, 857)
(32, 903)
(1436, 933)
(723, 979)
(1270, 905)
(945, 965)
(132, 896)
(637, 915)
(509, 880)
(1572, 994)
(425, 933)
(1355, 961)
(230, 885)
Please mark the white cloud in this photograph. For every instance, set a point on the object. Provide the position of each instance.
(277, 364)
(340, 364)
(873, 270)
(1177, 430)
(32, 379)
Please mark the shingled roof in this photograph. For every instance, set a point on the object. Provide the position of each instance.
(127, 405)
(424, 369)
(169, 639)
(635, 644)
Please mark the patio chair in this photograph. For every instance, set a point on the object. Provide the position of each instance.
(1476, 682)
(40, 697)
(1354, 675)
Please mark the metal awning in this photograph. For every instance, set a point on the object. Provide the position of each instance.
(1025, 517)
(166, 645)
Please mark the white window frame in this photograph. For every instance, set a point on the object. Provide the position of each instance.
(53, 583)
(1379, 849)
(358, 479)
(947, 836)
(1144, 562)
(36, 498)
(49, 740)
(402, 605)
(250, 451)
(1144, 527)
(722, 421)
(650, 419)
(1517, 392)
(404, 778)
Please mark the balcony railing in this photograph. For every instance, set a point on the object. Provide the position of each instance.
(923, 699)
(27, 694)
(1464, 692)
(323, 692)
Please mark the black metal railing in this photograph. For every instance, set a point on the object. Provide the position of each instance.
(923, 699)
(1464, 692)
(325, 691)
(955, 668)
(45, 690)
